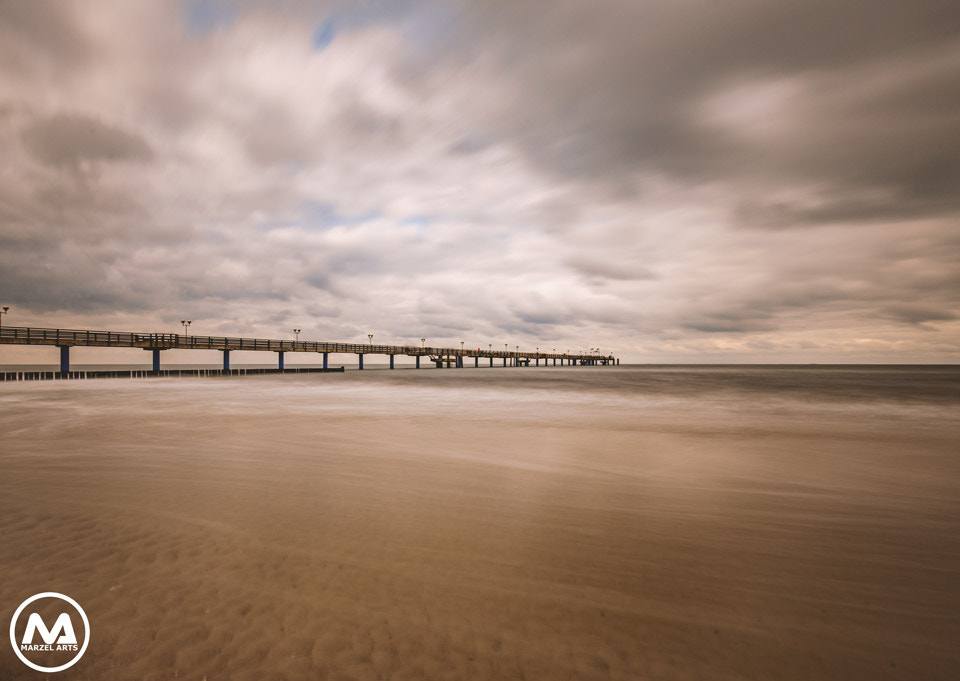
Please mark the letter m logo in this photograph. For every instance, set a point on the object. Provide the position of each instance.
(63, 624)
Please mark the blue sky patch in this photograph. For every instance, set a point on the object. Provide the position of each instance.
(420, 222)
(324, 35)
(206, 16)
(322, 215)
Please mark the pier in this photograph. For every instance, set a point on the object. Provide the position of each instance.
(156, 343)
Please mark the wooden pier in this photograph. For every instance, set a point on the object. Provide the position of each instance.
(64, 339)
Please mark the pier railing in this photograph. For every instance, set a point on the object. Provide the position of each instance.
(20, 335)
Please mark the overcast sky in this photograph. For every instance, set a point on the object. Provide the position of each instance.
(739, 180)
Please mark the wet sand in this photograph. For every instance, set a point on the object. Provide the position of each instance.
(301, 528)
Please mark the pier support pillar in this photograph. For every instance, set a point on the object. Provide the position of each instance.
(504, 361)
(418, 361)
(391, 361)
(537, 360)
(476, 362)
(325, 356)
(361, 361)
(226, 360)
(280, 360)
(491, 362)
(64, 358)
(156, 359)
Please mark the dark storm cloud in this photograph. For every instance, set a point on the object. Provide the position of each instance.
(919, 313)
(609, 88)
(729, 323)
(607, 268)
(63, 277)
(72, 139)
(26, 25)
(840, 284)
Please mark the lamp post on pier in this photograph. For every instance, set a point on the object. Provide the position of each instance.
(370, 337)
(186, 326)
(423, 343)
(296, 333)
(6, 309)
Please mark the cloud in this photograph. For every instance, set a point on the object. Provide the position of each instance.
(72, 140)
(606, 268)
(756, 95)
(746, 180)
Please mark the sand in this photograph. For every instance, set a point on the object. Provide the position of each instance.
(416, 536)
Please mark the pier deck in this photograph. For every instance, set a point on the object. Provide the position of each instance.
(158, 342)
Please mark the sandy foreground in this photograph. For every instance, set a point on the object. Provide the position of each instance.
(437, 540)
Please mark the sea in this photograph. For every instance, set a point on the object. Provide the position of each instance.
(631, 522)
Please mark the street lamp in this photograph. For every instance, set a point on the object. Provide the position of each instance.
(370, 336)
(461, 347)
(297, 333)
(6, 309)
(423, 343)
(186, 326)
(489, 347)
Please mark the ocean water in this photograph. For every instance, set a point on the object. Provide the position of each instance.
(667, 522)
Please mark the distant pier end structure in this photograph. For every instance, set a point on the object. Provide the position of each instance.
(156, 343)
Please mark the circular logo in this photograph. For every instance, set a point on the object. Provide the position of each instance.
(40, 640)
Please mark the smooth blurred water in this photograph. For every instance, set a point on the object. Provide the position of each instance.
(577, 522)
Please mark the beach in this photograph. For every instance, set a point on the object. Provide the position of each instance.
(536, 523)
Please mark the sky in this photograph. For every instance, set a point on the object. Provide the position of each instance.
(728, 181)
